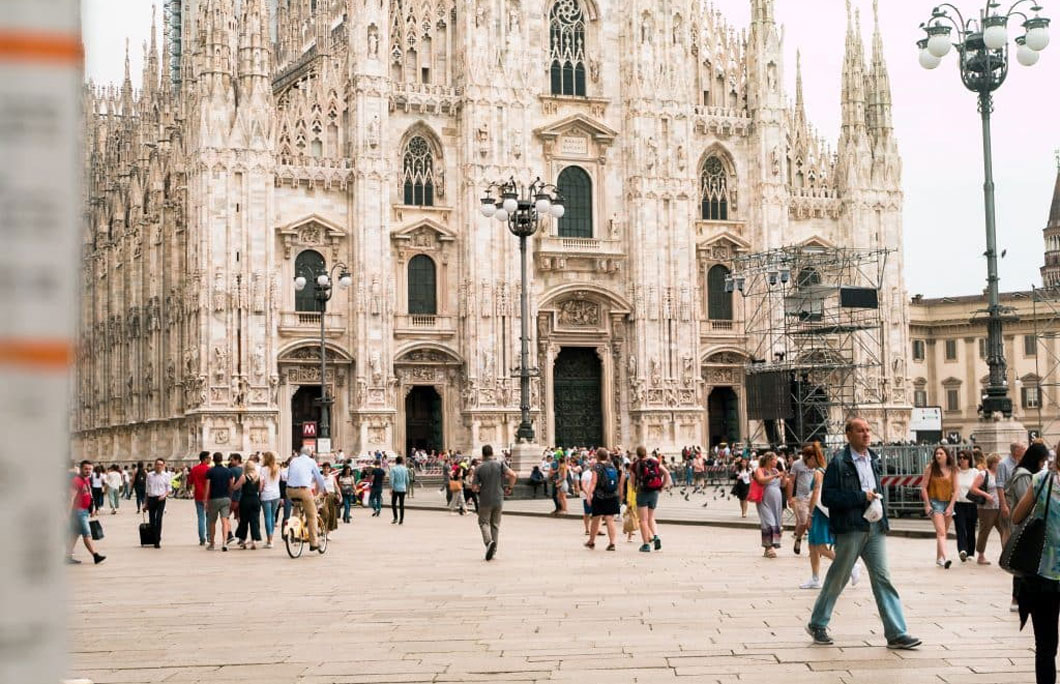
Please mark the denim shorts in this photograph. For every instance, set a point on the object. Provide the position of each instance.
(648, 499)
(79, 524)
(938, 507)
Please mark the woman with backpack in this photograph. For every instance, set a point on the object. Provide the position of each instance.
(140, 486)
(603, 497)
(651, 477)
(742, 487)
(986, 488)
(1017, 486)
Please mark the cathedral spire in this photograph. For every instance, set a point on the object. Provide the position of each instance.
(800, 105)
(1054, 211)
(150, 77)
(254, 50)
(126, 86)
(762, 11)
(880, 80)
(853, 120)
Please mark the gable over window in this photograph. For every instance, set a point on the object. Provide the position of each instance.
(566, 22)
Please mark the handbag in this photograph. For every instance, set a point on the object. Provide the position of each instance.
(978, 499)
(1022, 554)
(757, 491)
(456, 486)
(96, 528)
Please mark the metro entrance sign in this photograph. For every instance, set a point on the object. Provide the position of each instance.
(309, 430)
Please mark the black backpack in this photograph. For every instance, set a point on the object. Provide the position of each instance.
(606, 481)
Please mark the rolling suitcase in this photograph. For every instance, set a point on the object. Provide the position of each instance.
(147, 534)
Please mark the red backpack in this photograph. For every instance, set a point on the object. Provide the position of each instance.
(648, 474)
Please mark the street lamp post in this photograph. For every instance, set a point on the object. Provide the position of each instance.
(521, 207)
(983, 59)
(322, 290)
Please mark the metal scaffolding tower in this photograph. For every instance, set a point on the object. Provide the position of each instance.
(815, 332)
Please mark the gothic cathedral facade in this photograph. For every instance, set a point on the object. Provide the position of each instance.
(277, 138)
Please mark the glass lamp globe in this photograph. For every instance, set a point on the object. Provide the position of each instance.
(345, 280)
(510, 204)
(938, 43)
(542, 204)
(558, 210)
(501, 215)
(322, 280)
(299, 283)
(1024, 54)
(1037, 33)
(488, 207)
(995, 33)
(928, 60)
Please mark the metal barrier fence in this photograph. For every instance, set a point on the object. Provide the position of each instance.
(903, 468)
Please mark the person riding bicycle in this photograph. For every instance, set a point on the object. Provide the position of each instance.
(301, 475)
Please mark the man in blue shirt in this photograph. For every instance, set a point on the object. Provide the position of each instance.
(399, 484)
(850, 485)
(218, 500)
(302, 474)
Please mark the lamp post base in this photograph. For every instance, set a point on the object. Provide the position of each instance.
(995, 436)
(525, 455)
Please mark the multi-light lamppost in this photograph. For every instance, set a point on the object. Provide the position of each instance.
(983, 59)
(322, 283)
(521, 207)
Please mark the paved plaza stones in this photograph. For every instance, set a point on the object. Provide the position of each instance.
(417, 603)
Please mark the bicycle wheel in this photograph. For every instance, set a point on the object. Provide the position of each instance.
(294, 543)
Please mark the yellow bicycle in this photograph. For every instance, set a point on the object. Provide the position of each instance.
(296, 531)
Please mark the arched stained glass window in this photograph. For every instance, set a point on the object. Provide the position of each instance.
(422, 286)
(418, 175)
(577, 190)
(719, 302)
(567, 48)
(309, 265)
(714, 190)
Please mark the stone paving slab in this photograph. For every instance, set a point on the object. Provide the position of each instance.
(417, 603)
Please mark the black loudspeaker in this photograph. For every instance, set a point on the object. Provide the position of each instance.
(859, 298)
(767, 396)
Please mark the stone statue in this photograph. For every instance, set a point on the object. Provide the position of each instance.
(373, 132)
(376, 364)
(373, 41)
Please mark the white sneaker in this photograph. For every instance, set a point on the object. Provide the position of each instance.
(268, 545)
(855, 574)
(814, 583)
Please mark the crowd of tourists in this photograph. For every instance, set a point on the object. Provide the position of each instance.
(837, 506)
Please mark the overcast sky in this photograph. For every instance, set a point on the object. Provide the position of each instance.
(935, 118)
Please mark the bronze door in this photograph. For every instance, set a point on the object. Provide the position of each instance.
(577, 404)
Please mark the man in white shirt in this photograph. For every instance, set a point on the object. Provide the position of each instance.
(112, 484)
(159, 485)
(302, 473)
(1004, 472)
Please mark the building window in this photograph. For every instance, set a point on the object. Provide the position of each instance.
(719, 302)
(1030, 345)
(951, 350)
(309, 265)
(422, 286)
(1031, 397)
(418, 176)
(982, 347)
(918, 350)
(576, 188)
(714, 190)
(567, 48)
(953, 400)
(920, 398)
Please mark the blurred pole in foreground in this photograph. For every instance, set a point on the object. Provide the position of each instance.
(40, 83)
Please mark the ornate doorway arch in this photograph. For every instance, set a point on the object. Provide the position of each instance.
(298, 366)
(419, 370)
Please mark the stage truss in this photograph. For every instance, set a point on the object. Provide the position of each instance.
(1046, 308)
(830, 354)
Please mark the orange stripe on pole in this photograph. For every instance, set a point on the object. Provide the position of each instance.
(36, 354)
(40, 47)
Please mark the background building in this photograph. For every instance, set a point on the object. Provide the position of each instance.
(948, 338)
(267, 143)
